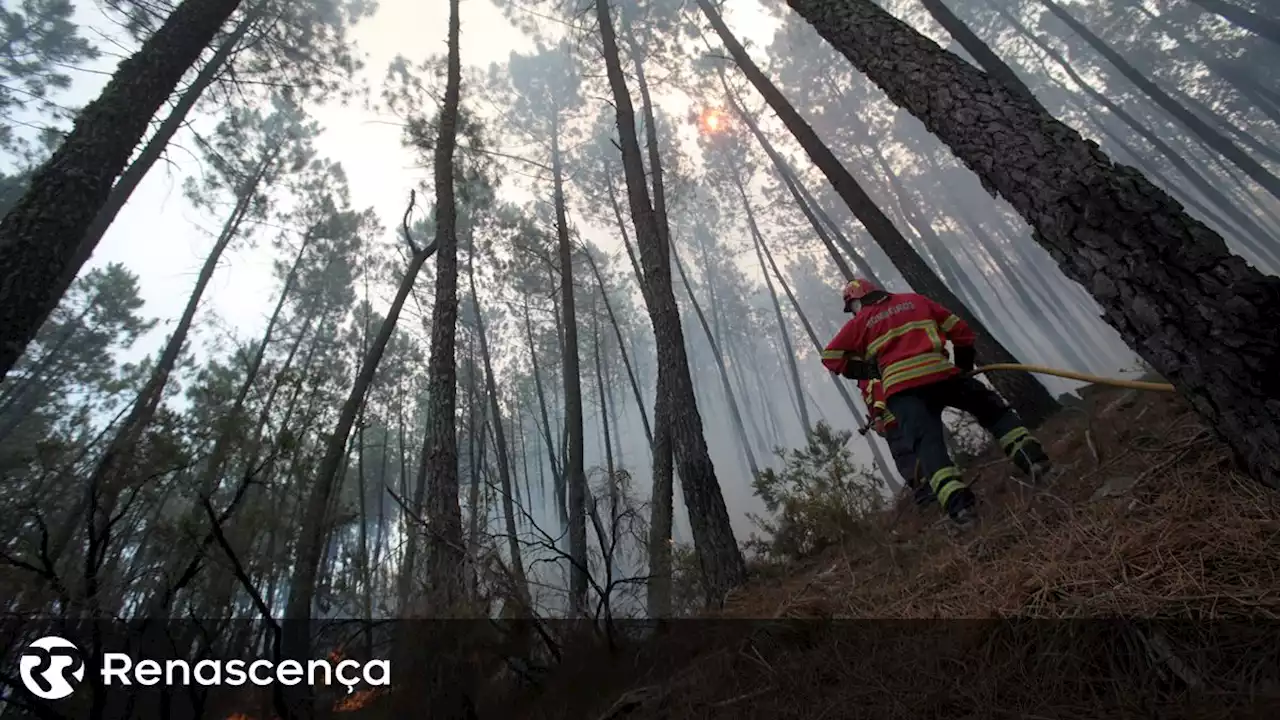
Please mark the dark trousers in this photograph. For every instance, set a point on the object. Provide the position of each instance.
(904, 455)
(919, 413)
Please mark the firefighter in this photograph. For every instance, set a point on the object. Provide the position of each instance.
(900, 340)
(888, 427)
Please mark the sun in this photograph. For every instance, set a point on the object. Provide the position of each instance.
(713, 121)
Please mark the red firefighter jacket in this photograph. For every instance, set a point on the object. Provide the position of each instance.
(905, 335)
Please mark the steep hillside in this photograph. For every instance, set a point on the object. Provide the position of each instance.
(1145, 521)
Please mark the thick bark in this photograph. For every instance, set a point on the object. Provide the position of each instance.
(1199, 181)
(978, 50)
(500, 448)
(1032, 401)
(1166, 282)
(41, 234)
(1259, 25)
(718, 554)
(788, 351)
(1196, 125)
(155, 147)
(440, 449)
(575, 465)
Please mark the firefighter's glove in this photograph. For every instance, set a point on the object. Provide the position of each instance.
(860, 370)
(965, 357)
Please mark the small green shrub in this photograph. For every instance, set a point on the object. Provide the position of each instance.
(818, 499)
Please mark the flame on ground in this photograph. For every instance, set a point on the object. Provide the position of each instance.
(357, 700)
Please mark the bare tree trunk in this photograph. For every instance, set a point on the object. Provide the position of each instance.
(440, 450)
(1255, 23)
(1158, 274)
(499, 447)
(1199, 127)
(315, 528)
(575, 472)
(734, 413)
(1201, 182)
(1023, 391)
(611, 478)
(787, 350)
(557, 488)
(40, 235)
(622, 349)
(718, 553)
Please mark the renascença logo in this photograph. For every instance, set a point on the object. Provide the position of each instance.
(51, 668)
(47, 663)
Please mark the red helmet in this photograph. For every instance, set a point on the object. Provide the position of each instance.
(856, 290)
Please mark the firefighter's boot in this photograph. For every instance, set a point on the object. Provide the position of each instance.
(956, 498)
(1027, 455)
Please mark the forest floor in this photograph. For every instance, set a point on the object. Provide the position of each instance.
(1046, 610)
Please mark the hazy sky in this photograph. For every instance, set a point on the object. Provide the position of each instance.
(162, 239)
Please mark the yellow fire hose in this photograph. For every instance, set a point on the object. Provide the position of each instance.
(1042, 370)
(1069, 374)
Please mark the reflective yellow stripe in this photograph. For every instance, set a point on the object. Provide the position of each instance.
(920, 366)
(929, 326)
(949, 323)
(1012, 437)
(945, 482)
(833, 354)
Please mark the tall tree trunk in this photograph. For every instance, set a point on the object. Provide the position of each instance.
(1260, 25)
(1197, 126)
(116, 465)
(440, 450)
(1024, 392)
(575, 469)
(500, 448)
(473, 494)
(1202, 183)
(787, 350)
(718, 554)
(41, 233)
(316, 521)
(979, 50)
(155, 147)
(612, 478)
(557, 488)
(734, 413)
(1166, 282)
(622, 349)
